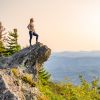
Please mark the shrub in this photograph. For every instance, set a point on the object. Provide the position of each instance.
(68, 91)
(44, 76)
(16, 72)
(28, 79)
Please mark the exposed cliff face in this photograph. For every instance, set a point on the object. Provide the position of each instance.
(32, 59)
(8, 89)
(13, 87)
(30, 55)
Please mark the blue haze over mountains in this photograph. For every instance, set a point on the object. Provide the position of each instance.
(70, 65)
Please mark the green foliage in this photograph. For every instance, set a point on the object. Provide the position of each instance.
(44, 76)
(2, 48)
(12, 43)
(68, 91)
(49, 93)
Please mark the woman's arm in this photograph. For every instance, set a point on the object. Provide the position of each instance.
(28, 26)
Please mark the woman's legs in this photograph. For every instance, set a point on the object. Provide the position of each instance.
(35, 34)
(30, 33)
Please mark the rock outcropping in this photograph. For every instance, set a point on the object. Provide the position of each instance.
(31, 58)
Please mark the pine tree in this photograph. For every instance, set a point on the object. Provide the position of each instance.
(2, 47)
(13, 45)
(44, 76)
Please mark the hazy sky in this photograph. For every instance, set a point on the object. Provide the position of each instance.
(61, 24)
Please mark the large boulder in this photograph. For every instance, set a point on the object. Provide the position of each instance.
(31, 57)
(12, 85)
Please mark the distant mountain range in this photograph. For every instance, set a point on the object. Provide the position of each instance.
(77, 54)
(70, 65)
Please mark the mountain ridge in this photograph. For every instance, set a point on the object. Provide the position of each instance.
(77, 53)
(72, 64)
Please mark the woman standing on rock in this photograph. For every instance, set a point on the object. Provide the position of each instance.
(32, 31)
